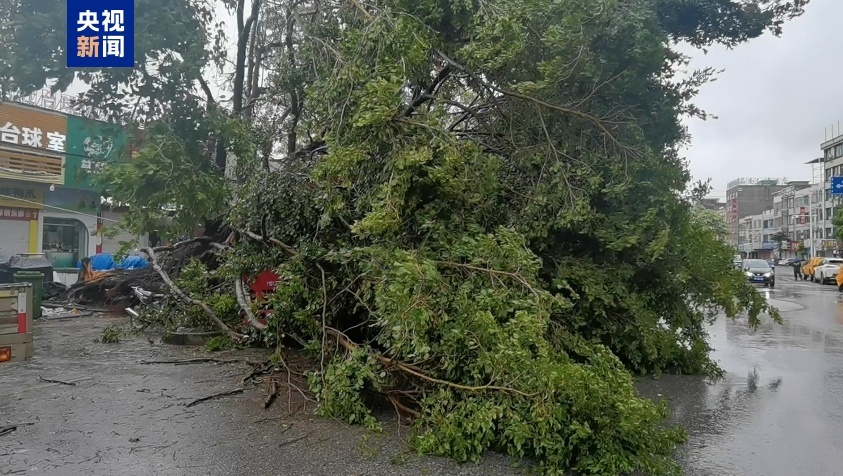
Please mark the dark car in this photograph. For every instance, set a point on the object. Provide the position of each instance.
(759, 271)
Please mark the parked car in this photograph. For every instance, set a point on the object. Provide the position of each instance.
(759, 271)
(737, 261)
(786, 262)
(827, 270)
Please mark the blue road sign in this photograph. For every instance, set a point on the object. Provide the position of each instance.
(100, 33)
(837, 185)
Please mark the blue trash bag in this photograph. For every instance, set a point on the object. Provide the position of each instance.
(134, 262)
(100, 262)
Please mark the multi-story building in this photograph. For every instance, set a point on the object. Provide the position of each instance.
(47, 198)
(832, 166)
(747, 197)
(800, 212)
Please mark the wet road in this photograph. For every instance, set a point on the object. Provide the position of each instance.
(778, 412)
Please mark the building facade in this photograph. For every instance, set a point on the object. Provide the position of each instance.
(802, 214)
(48, 201)
(746, 197)
(832, 166)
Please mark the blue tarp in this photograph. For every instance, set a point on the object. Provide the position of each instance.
(133, 262)
(105, 262)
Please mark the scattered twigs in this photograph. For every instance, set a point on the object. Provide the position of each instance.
(273, 392)
(184, 297)
(387, 362)
(199, 360)
(243, 301)
(47, 380)
(294, 440)
(258, 369)
(10, 428)
(236, 391)
(401, 408)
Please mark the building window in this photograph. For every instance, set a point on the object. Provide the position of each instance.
(838, 150)
(66, 239)
(828, 233)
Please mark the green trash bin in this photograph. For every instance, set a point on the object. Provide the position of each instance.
(36, 278)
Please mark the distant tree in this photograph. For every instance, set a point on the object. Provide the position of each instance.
(801, 250)
(837, 221)
(779, 238)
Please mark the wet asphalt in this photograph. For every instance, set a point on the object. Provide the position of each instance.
(778, 411)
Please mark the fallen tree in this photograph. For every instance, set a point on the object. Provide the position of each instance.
(491, 227)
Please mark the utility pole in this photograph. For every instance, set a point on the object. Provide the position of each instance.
(811, 223)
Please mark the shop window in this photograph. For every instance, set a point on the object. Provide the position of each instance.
(66, 239)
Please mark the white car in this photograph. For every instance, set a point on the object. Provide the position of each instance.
(827, 270)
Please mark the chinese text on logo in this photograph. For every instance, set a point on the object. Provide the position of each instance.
(100, 33)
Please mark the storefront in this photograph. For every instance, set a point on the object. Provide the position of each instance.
(70, 226)
(21, 206)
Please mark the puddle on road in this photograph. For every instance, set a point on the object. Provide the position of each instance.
(778, 411)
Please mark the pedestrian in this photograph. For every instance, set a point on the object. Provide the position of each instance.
(797, 269)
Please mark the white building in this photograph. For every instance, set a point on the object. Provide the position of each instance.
(804, 215)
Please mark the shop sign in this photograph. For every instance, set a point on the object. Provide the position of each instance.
(90, 146)
(20, 195)
(20, 214)
(30, 127)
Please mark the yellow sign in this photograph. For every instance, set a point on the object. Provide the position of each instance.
(21, 195)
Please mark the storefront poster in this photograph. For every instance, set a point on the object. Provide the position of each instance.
(90, 145)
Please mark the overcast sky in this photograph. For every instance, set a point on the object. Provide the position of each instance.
(776, 101)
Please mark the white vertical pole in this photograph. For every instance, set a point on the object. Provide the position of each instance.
(811, 223)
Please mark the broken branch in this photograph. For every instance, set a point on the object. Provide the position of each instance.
(387, 362)
(198, 360)
(274, 241)
(184, 297)
(71, 384)
(273, 392)
(243, 301)
(10, 428)
(216, 395)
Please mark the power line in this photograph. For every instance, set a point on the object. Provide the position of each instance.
(66, 210)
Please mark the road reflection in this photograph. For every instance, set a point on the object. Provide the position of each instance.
(778, 409)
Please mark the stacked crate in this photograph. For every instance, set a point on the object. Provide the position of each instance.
(15, 322)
